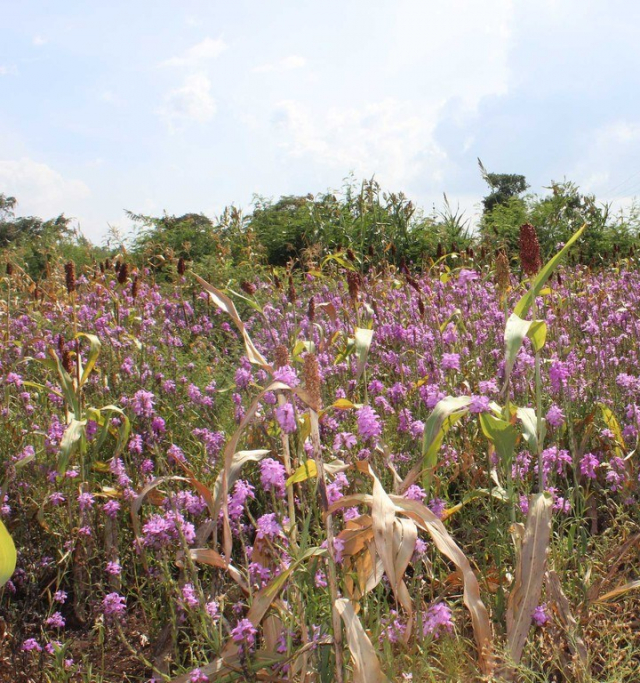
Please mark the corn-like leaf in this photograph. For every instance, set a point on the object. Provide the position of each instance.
(529, 420)
(427, 521)
(515, 332)
(366, 667)
(617, 592)
(563, 609)
(502, 434)
(529, 574)
(395, 542)
(223, 302)
(307, 470)
(94, 352)
(7, 555)
(445, 414)
(363, 339)
(430, 523)
(70, 443)
(525, 303)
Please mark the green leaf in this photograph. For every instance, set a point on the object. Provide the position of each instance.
(502, 434)
(307, 470)
(525, 303)
(94, 352)
(529, 420)
(70, 443)
(8, 555)
(445, 414)
(538, 334)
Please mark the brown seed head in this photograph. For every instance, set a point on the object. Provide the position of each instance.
(70, 276)
(502, 273)
(311, 311)
(9, 268)
(248, 287)
(134, 287)
(123, 273)
(182, 266)
(281, 355)
(291, 292)
(311, 374)
(529, 250)
(351, 254)
(353, 283)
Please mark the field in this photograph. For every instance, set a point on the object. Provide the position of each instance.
(336, 473)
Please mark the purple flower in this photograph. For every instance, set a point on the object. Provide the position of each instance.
(56, 620)
(189, 596)
(143, 402)
(30, 645)
(198, 677)
(114, 605)
(555, 416)
(450, 361)
(437, 619)
(286, 418)
(244, 632)
(368, 423)
(588, 464)
(111, 508)
(479, 404)
(60, 596)
(85, 501)
(272, 475)
(113, 568)
(540, 616)
(267, 526)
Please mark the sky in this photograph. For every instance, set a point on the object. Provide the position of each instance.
(193, 105)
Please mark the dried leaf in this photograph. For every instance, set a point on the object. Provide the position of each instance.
(366, 667)
(224, 303)
(529, 574)
(617, 592)
(563, 609)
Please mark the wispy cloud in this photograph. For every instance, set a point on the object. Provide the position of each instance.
(200, 53)
(390, 136)
(286, 64)
(39, 40)
(40, 189)
(190, 102)
(8, 70)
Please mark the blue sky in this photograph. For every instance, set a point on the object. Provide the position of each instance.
(189, 106)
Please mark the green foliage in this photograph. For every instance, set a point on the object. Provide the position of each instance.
(504, 187)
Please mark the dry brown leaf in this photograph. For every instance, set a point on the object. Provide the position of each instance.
(366, 667)
(223, 302)
(430, 523)
(529, 574)
(617, 592)
(563, 609)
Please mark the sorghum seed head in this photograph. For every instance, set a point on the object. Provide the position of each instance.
(311, 374)
(123, 273)
(70, 276)
(182, 266)
(281, 355)
(529, 250)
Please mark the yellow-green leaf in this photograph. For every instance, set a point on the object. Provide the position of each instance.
(7, 555)
(307, 470)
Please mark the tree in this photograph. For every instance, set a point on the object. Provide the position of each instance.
(504, 187)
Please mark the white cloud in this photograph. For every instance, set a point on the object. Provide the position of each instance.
(39, 189)
(8, 70)
(201, 52)
(390, 137)
(286, 64)
(39, 40)
(191, 102)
